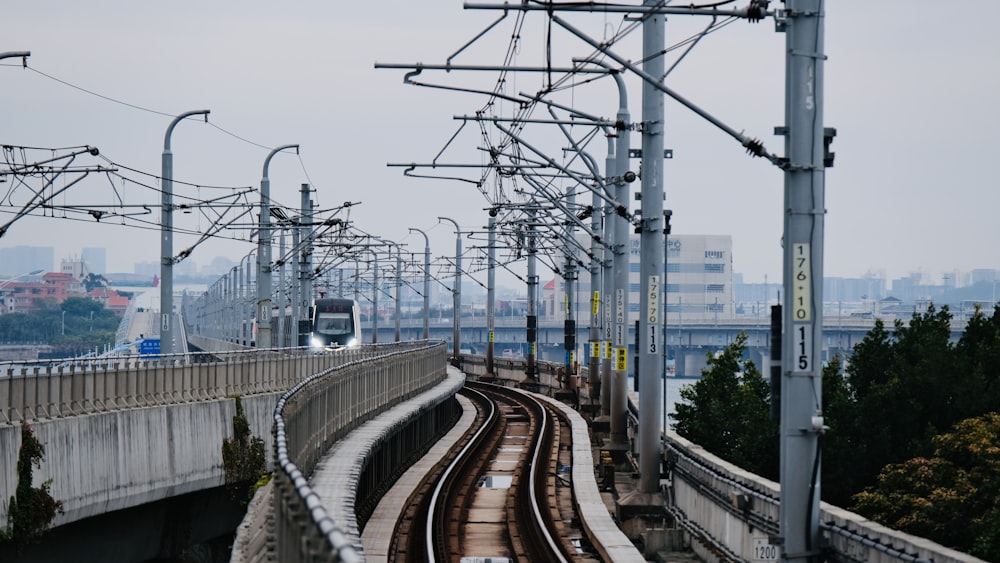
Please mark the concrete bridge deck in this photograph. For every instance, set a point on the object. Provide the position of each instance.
(127, 434)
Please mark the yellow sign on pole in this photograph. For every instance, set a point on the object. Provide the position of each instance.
(621, 363)
(596, 303)
(491, 336)
(595, 349)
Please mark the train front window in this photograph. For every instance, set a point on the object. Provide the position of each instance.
(334, 324)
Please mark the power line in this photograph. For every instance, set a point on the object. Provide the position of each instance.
(147, 110)
(92, 93)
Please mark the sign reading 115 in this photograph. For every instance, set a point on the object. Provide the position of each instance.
(802, 350)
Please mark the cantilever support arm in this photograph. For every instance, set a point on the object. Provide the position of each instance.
(753, 146)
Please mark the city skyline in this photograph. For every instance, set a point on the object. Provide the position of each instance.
(29, 258)
(911, 105)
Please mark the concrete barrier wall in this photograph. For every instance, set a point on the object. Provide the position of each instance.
(108, 461)
(514, 369)
(316, 413)
(137, 431)
(730, 511)
(31, 392)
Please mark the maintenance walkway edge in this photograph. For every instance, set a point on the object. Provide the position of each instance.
(335, 479)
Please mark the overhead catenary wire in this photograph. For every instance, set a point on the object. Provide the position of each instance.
(149, 110)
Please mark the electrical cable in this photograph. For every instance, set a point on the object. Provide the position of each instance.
(141, 108)
(92, 93)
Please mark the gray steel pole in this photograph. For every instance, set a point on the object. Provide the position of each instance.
(620, 265)
(607, 286)
(651, 258)
(167, 237)
(491, 289)
(427, 282)
(357, 281)
(399, 280)
(236, 304)
(282, 321)
(375, 289)
(457, 291)
(594, 362)
(246, 304)
(615, 166)
(232, 300)
(802, 334)
(305, 291)
(532, 329)
(569, 276)
(294, 290)
(264, 339)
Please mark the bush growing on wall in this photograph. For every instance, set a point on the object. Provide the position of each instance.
(242, 457)
(32, 509)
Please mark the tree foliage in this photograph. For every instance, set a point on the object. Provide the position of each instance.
(727, 412)
(959, 482)
(905, 390)
(86, 325)
(242, 457)
(839, 414)
(94, 281)
(910, 386)
(31, 509)
(885, 455)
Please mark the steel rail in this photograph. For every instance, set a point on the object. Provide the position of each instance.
(474, 442)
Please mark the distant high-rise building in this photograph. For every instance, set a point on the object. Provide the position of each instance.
(147, 268)
(74, 267)
(698, 283)
(218, 266)
(984, 275)
(96, 259)
(18, 260)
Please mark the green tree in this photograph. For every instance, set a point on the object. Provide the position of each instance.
(727, 412)
(903, 390)
(75, 326)
(242, 457)
(959, 483)
(31, 509)
(979, 365)
(93, 281)
(839, 448)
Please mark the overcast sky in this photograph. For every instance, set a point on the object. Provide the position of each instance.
(911, 87)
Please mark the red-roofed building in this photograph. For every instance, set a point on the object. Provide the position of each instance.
(111, 299)
(55, 287)
(25, 296)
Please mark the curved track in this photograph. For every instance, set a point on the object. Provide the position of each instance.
(461, 511)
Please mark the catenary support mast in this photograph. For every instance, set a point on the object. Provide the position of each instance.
(651, 257)
(801, 361)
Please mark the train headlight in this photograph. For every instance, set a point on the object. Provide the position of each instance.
(316, 342)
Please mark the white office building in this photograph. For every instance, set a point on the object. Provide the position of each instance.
(698, 282)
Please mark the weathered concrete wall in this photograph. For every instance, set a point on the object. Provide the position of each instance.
(108, 461)
(722, 503)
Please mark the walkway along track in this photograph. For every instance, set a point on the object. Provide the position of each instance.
(464, 507)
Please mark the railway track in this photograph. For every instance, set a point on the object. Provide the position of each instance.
(501, 494)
